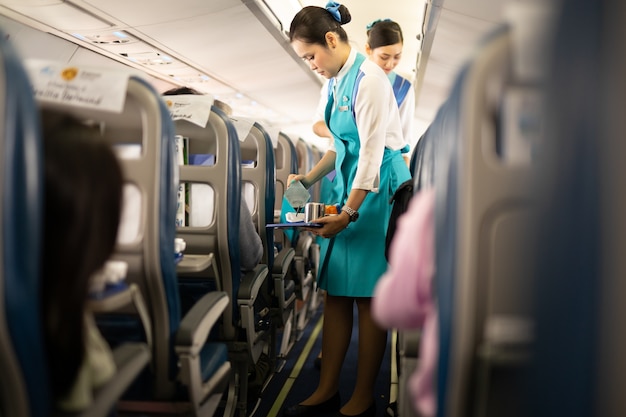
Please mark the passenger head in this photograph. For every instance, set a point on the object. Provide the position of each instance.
(317, 37)
(384, 43)
(177, 91)
(82, 202)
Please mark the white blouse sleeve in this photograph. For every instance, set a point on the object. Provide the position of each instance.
(407, 113)
(372, 109)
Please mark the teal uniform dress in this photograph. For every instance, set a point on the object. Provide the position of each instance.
(352, 262)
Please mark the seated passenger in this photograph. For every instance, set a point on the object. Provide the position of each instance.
(250, 254)
(83, 196)
(403, 298)
(250, 244)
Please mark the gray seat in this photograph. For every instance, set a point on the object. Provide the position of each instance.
(578, 364)
(187, 370)
(303, 273)
(216, 237)
(261, 177)
(485, 154)
(24, 389)
(305, 245)
(422, 167)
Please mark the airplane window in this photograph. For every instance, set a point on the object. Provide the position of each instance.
(130, 221)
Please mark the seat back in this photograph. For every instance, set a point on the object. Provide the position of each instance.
(422, 164)
(259, 185)
(316, 155)
(305, 156)
(23, 386)
(214, 200)
(286, 163)
(578, 356)
(259, 182)
(485, 207)
(143, 135)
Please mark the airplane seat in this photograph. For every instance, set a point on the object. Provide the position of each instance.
(259, 184)
(317, 196)
(187, 370)
(305, 245)
(485, 205)
(421, 163)
(578, 364)
(408, 341)
(326, 188)
(301, 242)
(286, 160)
(23, 388)
(316, 155)
(212, 260)
(415, 154)
(286, 163)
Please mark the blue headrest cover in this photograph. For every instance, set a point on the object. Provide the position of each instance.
(22, 202)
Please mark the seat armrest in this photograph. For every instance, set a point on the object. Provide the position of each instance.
(251, 284)
(304, 244)
(282, 261)
(130, 359)
(195, 327)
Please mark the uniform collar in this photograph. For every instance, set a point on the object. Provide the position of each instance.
(347, 66)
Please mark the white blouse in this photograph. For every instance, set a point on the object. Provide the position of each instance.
(377, 120)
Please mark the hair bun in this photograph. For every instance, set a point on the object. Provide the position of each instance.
(339, 12)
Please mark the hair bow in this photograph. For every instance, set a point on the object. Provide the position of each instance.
(371, 24)
(333, 9)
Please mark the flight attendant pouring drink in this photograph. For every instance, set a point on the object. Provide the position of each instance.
(363, 117)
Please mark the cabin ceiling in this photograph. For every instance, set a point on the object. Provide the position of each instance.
(200, 36)
(458, 26)
(256, 72)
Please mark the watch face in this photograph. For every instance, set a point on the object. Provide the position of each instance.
(354, 216)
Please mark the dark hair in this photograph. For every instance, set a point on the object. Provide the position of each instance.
(384, 33)
(176, 91)
(82, 201)
(311, 24)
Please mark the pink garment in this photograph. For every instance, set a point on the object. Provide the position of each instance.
(403, 297)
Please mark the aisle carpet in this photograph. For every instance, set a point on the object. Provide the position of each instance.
(299, 377)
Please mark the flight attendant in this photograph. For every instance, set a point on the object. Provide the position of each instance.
(384, 47)
(363, 118)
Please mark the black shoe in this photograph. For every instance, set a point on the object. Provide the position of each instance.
(328, 406)
(370, 412)
(258, 376)
(317, 363)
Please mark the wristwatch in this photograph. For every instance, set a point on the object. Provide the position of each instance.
(354, 215)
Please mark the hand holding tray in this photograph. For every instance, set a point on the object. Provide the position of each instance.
(292, 225)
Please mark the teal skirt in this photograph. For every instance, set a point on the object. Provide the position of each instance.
(352, 262)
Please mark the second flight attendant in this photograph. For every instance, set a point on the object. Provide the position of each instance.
(363, 117)
(384, 47)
